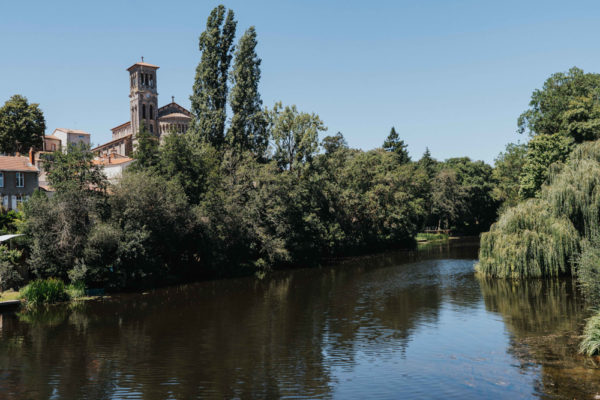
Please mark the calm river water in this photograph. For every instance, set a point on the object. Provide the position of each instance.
(406, 324)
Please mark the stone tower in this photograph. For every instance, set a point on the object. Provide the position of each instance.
(143, 98)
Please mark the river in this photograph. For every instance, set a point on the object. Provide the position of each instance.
(403, 324)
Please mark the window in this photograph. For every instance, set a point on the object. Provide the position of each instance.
(1, 179)
(151, 130)
(20, 179)
(5, 202)
(151, 112)
(53, 147)
(143, 111)
(19, 201)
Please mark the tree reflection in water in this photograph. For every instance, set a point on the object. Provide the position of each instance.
(545, 319)
(397, 318)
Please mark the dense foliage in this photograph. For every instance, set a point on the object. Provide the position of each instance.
(22, 125)
(260, 192)
(541, 237)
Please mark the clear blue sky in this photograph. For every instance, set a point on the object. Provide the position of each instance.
(450, 75)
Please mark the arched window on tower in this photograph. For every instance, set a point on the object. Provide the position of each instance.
(151, 112)
(143, 111)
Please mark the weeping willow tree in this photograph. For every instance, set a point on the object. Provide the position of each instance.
(528, 241)
(542, 237)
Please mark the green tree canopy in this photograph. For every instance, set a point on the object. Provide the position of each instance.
(146, 151)
(331, 144)
(428, 163)
(448, 198)
(394, 144)
(248, 130)
(22, 125)
(295, 135)
(542, 152)
(209, 96)
(561, 93)
(74, 171)
(507, 173)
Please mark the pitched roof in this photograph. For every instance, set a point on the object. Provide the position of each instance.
(121, 126)
(77, 131)
(121, 139)
(116, 160)
(175, 115)
(16, 163)
(51, 137)
(143, 64)
(173, 105)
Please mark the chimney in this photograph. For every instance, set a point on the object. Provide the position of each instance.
(31, 153)
(17, 154)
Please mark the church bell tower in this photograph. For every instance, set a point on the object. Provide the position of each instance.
(143, 98)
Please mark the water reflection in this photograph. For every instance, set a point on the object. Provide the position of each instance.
(545, 318)
(401, 324)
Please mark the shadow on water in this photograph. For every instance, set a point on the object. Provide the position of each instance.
(387, 325)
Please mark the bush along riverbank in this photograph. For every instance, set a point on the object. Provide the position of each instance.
(50, 291)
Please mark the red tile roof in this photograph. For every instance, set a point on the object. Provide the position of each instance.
(175, 115)
(121, 139)
(112, 161)
(143, 64)
(121, 126)
(16, 163)
(77, 131)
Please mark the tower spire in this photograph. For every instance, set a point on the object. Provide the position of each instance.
(172, 99)
(142, 58)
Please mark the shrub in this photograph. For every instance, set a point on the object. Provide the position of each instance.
(45, 291)
(10, 278)
(75, 290)
(591, 337)
(431, 236)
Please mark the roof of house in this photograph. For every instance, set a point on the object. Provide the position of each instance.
(112, 142)
(143, 64)
(175, 115)
(16, 163)
(51, 137)
(76, 131)
(46, 188)
(116, 160)
(121, 126)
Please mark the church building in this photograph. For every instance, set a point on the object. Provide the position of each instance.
(144, 112)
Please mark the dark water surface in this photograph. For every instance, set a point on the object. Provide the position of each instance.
(397, 325)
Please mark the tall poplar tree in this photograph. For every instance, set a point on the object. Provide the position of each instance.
(248, 129)
(210, 86)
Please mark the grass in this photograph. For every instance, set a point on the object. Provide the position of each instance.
(10, 295)
(590, 345)
(428, 237)
(76, 290)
